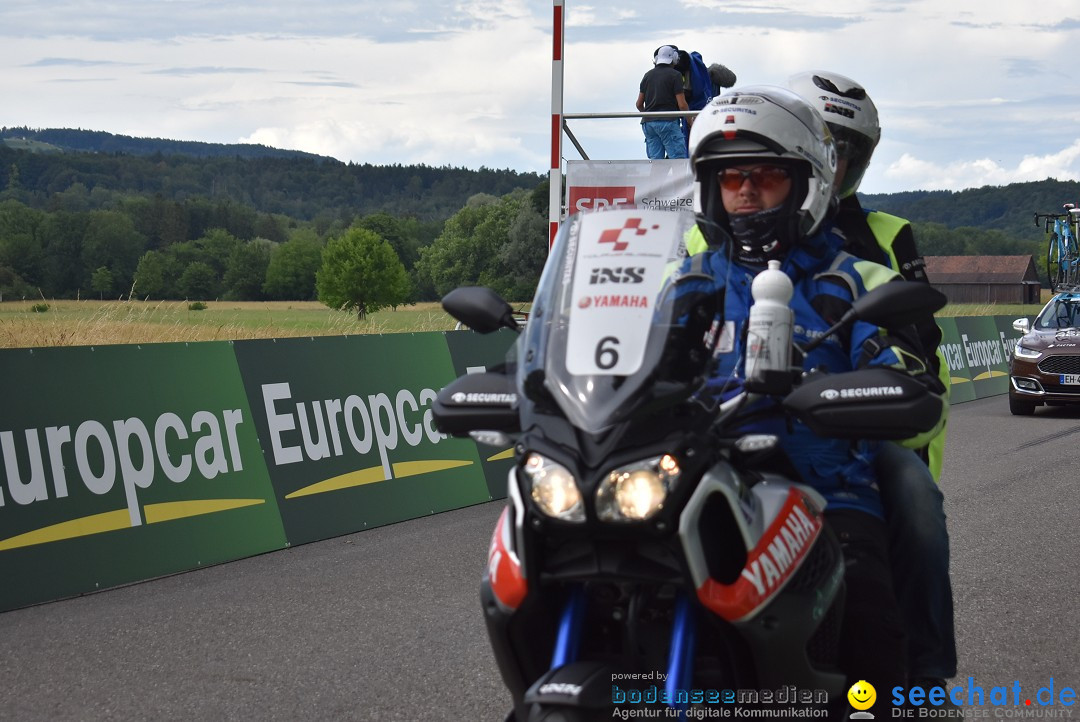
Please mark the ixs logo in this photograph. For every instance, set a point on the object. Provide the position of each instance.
(613, 301)
(629, 274)
(584, 198)
(867, 392)
(839, 110)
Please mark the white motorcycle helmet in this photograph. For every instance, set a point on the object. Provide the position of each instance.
(851, 116)
(768, 124)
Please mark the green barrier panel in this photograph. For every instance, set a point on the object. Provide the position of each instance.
(961, 389)
(123, 463)
(987, 363)
(347, 431)
(473, 351)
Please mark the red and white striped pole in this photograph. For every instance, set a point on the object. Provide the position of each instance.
(555, 174)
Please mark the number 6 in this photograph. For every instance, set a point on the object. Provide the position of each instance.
(606, 356)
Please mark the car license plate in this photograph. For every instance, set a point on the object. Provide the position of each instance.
(1067, 379)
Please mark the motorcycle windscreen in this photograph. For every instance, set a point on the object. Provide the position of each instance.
(604, 337)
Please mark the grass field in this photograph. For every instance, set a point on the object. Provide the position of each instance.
(95, 323)
(92, 323)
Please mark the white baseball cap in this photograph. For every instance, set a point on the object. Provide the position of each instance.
(666, 55)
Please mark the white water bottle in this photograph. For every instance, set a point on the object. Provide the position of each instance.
(768, 338)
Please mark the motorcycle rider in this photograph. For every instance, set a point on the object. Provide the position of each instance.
(764, 165)
(919, 539)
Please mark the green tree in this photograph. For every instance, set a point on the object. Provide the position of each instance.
(111, 241)
(290, 275)
(155, 276)
(61, 236)
(12, 286)
(521, 260)
(401, 233)
(101, 281)
(246, 271)
(198, 282)
(20, 244)
(216, 247)
(361, 271)
(468, 250)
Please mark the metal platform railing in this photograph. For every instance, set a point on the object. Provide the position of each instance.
(625, 114)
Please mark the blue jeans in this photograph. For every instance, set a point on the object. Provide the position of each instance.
(919, 556)
(664, 139)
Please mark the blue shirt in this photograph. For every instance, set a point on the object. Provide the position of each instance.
(826, 280)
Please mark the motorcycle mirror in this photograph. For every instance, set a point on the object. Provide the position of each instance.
(898, 303)
(479, 308)
(890, 305)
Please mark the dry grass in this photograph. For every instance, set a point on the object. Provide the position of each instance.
(95, 323)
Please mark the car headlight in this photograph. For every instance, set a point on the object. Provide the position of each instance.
(638, 491)
(1022, 352)
(553, 488)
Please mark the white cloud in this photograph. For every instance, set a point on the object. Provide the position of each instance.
(970, 91)
(912, 172)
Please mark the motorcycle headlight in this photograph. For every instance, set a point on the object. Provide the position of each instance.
(553, 488)
(1022, 352)
(637, 492)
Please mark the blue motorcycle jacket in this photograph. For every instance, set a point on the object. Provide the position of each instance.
(826, 280)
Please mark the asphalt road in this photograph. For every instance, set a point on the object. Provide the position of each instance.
(385, 624)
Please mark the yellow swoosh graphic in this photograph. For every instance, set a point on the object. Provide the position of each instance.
(958, 380)
(169, 511)
(508, 454)
(375, 474)
(95, 524)
(121, 519)
(412, 468)
(989, 375)
(345, 481)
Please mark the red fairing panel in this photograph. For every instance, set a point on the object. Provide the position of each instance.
(503, 568)
(770, 564)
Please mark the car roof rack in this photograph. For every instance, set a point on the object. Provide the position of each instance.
(1070, 290)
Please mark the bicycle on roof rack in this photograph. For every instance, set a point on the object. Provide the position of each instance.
(1062, 251)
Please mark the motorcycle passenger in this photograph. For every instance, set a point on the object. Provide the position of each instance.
(764, 166)
(914, 505)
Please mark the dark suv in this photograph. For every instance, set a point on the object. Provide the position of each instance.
(1045, 364)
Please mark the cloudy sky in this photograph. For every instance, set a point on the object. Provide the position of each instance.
(971, 92)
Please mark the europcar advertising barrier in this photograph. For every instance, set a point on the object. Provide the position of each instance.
(124, 463)
(977, 350)
(348, 436)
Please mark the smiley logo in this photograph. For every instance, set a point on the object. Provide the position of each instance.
(862, 695)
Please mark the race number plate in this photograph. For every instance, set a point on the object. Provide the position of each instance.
(620, 269)
(1070, 379)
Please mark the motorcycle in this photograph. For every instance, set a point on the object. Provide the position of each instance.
(653, 553)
